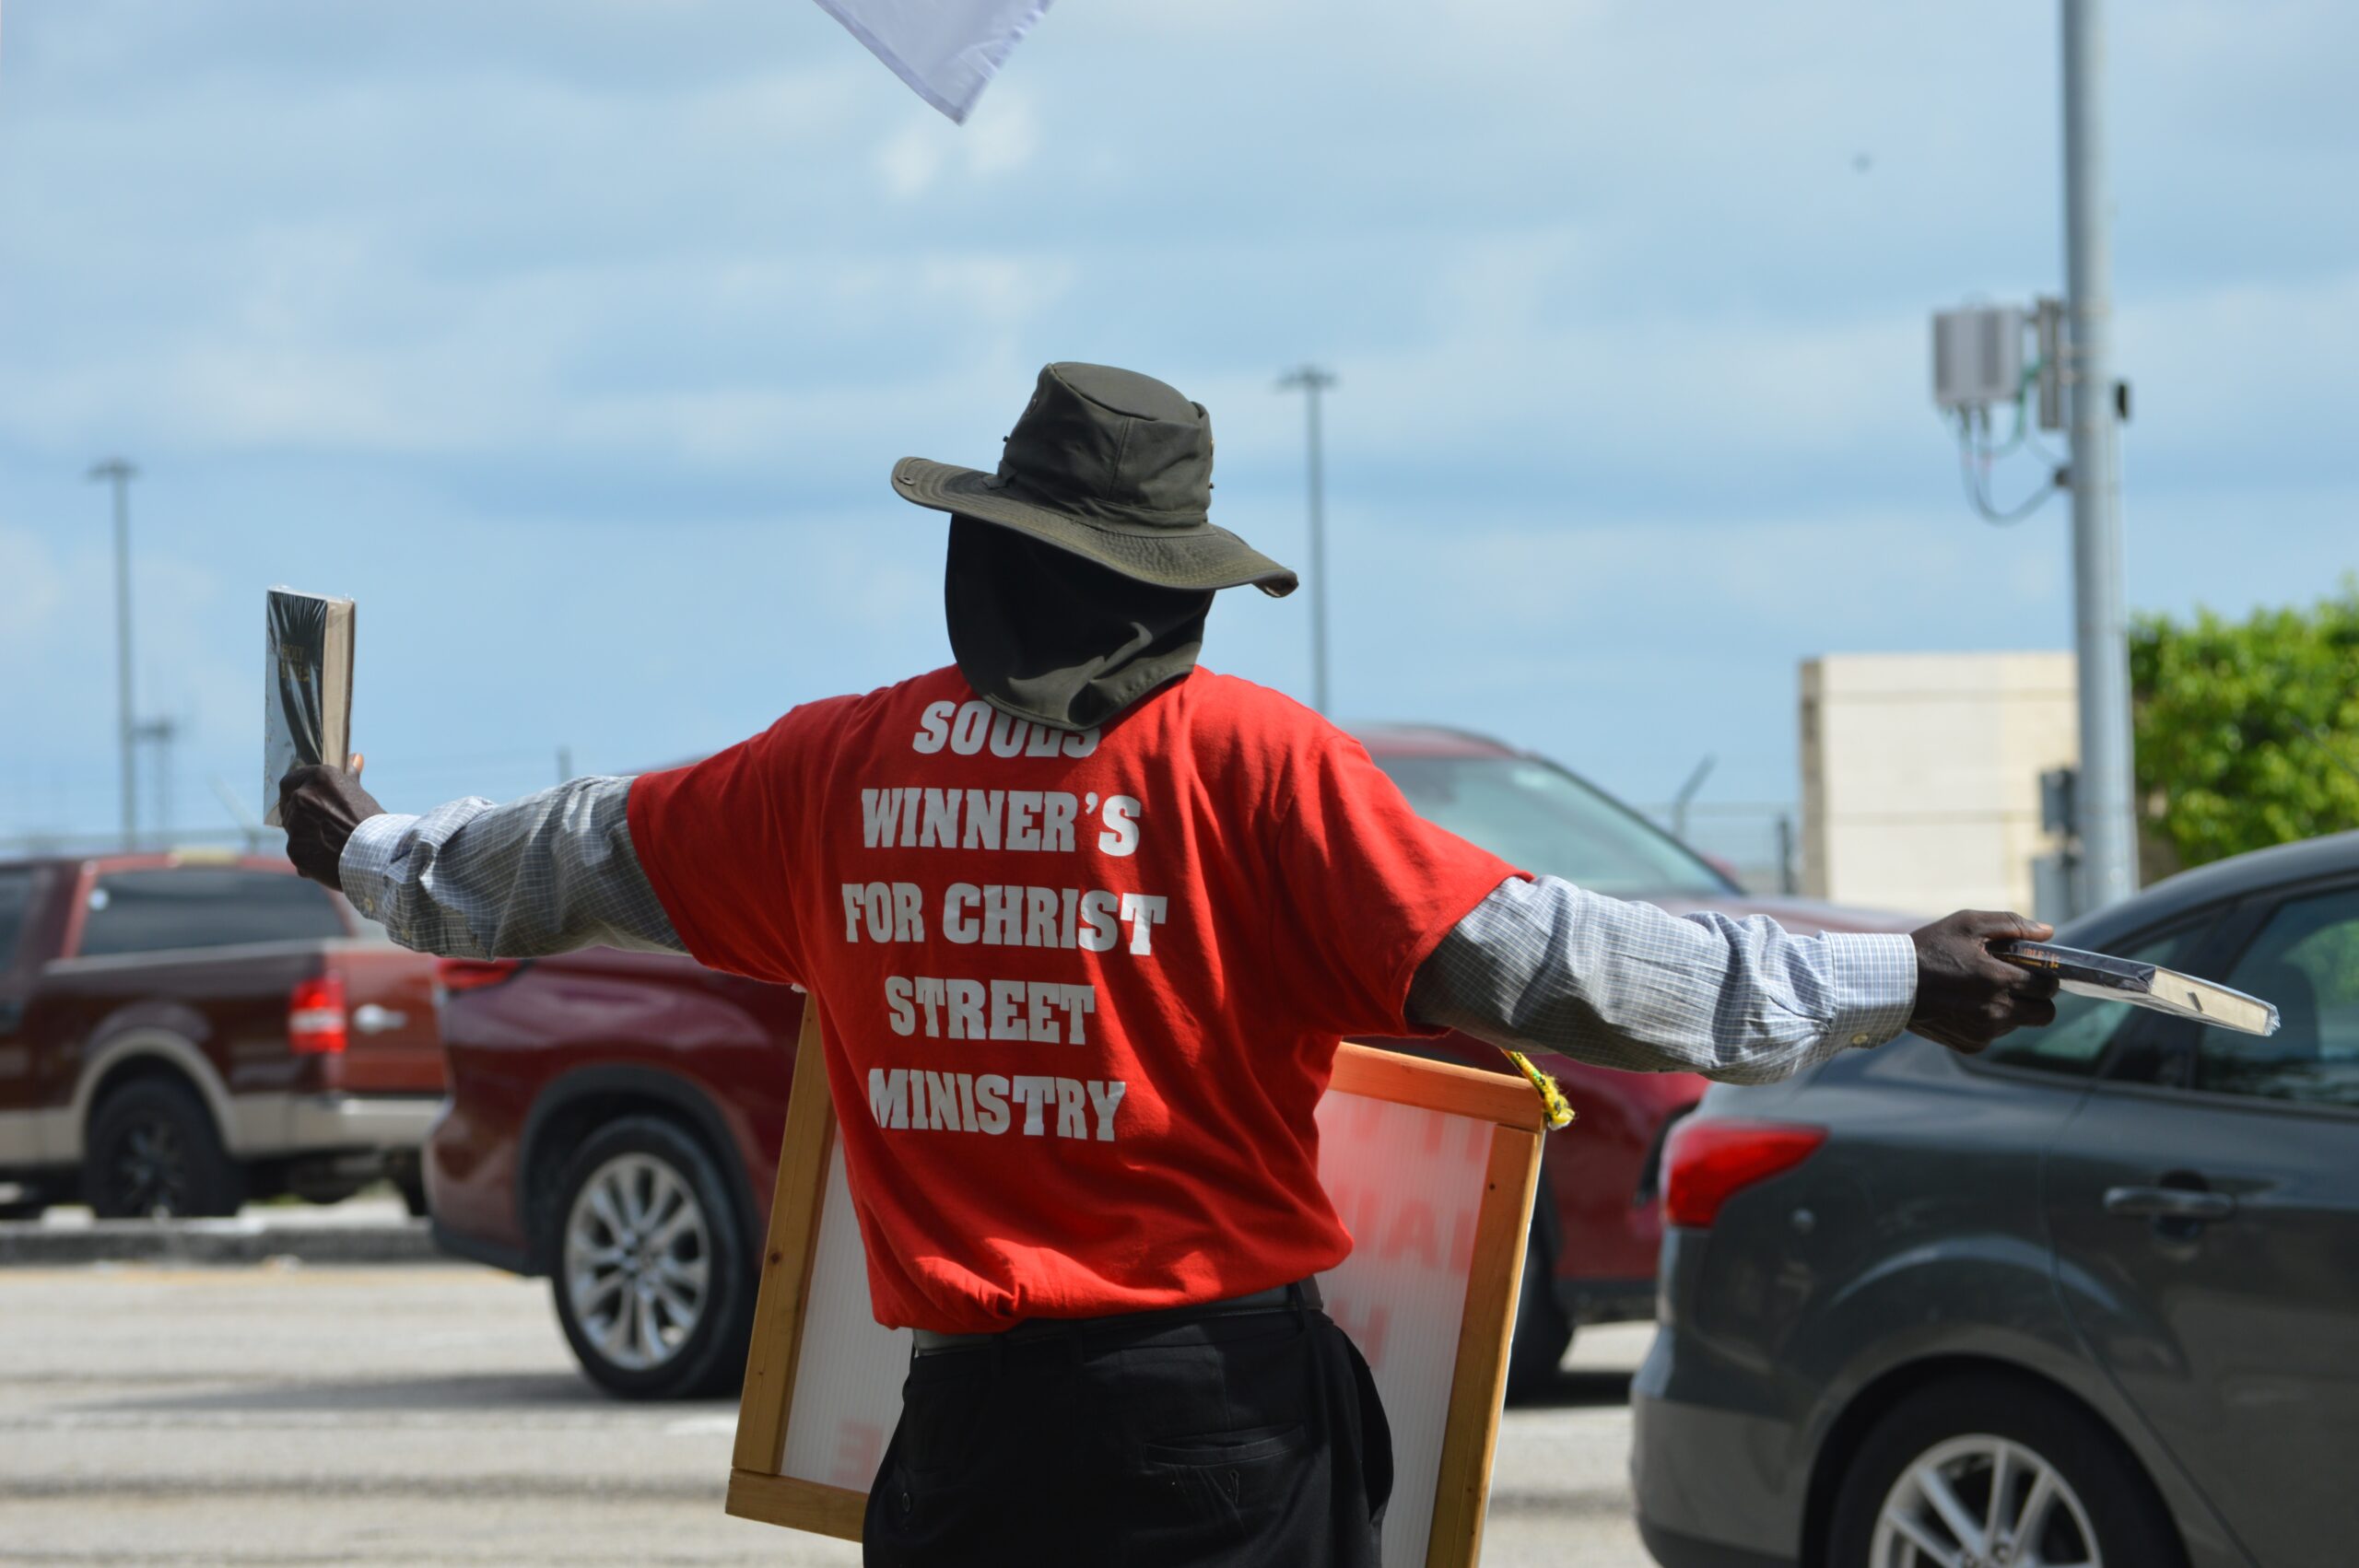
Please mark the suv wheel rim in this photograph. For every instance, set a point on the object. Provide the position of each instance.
(1983, 1502)
(637, 1262)
(151, 1171)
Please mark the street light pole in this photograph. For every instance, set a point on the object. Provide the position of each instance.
(2108, 825)
(121, 473)
(1313, 381)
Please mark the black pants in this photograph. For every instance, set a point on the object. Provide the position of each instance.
(1242, 1441)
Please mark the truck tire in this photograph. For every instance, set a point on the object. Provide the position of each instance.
(154, 1154)
(2047, 1454)
(648, 1264)
(1542, 1333)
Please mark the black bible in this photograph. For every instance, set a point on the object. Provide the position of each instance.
(2109, 978)
(307, 687)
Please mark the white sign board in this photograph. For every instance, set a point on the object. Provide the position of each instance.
(1431, 1167)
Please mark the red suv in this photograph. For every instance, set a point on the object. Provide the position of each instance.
(613, 1119)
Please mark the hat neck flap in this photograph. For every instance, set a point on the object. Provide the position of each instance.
(1042, 633)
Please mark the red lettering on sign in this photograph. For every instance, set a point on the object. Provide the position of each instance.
(1462, 1242)
(1367, 1332)
(860, 1449)
(1414, 1229)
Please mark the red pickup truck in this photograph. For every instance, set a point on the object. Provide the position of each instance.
(182, 1033)
(614, 1119)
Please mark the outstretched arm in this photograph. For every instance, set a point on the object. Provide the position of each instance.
(1545, 965)
(545, 874)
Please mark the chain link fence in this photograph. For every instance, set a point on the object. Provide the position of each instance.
(29, 846)
(1758, 843)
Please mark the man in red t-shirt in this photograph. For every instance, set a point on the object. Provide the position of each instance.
(1085, 924)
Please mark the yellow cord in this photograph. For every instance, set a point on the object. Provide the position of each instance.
(1560, 1109)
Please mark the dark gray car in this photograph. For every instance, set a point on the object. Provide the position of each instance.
(2090, 1298)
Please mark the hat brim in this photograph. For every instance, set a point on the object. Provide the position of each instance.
(1196, 556)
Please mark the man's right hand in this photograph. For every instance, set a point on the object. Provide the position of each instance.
(320, 807)
(1968, 998)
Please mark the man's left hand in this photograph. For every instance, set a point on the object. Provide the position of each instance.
(1968, 996)
(321, 806)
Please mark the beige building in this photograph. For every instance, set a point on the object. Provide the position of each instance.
(1921, 776)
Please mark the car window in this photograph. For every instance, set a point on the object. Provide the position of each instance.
(157, 911)
(1543, 820)
(16, 904)
(2075, 1044)
(2307, 961)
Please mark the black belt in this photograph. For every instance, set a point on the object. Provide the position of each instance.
(1301, 1296)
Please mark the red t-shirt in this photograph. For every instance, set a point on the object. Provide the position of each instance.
(1081, 990)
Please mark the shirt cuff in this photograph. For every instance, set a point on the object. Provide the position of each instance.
(1871, 982)
(366, 867)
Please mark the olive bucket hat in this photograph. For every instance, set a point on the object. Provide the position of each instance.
(1115, 467)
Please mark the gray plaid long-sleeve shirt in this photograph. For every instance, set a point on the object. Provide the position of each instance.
(1537, 966)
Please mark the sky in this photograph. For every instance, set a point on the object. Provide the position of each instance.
(576, 339)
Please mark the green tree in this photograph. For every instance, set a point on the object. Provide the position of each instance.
(2247, 730)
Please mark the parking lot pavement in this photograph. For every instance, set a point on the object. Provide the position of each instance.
(425, 1413)
(376, 1208)
(358, 1230)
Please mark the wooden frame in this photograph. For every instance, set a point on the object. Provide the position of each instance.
(756, 1490)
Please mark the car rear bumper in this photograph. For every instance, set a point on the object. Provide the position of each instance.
(1713, 1486)
(358, 1122)
(1606, 1301)
(472, 1182)
(476, 1249)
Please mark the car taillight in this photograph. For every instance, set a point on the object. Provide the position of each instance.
(315, 1016)
(1711, 1160)
(473, 974)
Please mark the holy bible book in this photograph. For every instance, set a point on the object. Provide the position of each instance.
(2142, 984)
(307, 687)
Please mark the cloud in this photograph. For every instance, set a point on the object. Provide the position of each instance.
(57, 640)
(914, 158)
(32, 592)
(910, 159)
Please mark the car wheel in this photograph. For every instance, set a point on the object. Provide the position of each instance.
(1997, 1471)
(648, 1263)
(1542, 1333)
(154, 1154)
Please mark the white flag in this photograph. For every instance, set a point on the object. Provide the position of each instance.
(946, 49)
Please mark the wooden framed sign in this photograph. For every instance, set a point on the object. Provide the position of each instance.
(1433, 1168)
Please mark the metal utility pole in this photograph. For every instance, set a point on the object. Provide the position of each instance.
(2108, 827)
(121, 473)
(1313, 381)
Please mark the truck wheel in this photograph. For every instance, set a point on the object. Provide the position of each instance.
(649, 1266)
(1542, 1333)
(1997, 1469)
(154, 1154)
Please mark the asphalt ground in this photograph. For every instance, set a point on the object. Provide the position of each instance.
(358, 1230)
(288, 1413)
